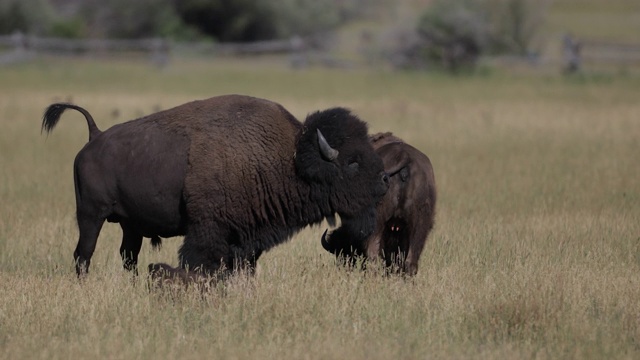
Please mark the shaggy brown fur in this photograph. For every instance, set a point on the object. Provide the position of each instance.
(405, 216)
(236, 175)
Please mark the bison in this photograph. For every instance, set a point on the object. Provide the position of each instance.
(236, 175)
(405, 216)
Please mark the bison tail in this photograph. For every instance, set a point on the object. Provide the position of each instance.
(54, 111)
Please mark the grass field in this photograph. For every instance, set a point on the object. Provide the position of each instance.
(535, 254)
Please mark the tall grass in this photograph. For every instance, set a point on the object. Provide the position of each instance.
(535, 254)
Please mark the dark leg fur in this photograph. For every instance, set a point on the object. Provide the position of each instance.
(89, 227)
(130, 247)
(204, 259)
(395, 244)
(156, 242)
(206, 250)
(417, 239)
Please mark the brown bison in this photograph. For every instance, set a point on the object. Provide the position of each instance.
(405, 216)
(235, 175)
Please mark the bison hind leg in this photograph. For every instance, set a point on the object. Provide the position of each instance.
(89, 227)
(130, 247)
(156, 242)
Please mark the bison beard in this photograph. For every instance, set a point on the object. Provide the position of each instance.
(235, 175)
(405, 216)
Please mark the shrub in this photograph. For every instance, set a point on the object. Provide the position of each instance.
(72, 28)
(131, 19)
(251, 20)
(27, 16)
(455, 33)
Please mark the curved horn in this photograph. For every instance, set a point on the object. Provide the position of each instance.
(331, 220)
(325, 243)
(326, 150)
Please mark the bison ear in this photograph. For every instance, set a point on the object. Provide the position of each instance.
(327, 152)
(315, 158)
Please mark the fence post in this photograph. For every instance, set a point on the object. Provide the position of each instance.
(19, 42)
(298, 58)
(19, 52)
(159, 52)
(572, 58)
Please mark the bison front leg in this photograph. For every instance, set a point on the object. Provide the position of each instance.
(204, 254)
(375, 244)
(130, 247)
(206, 250)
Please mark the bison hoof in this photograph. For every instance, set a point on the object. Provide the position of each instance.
(411, 269)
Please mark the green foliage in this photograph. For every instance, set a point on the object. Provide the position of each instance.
(132, 19)
(223, 20)
(458, 31)
(497, 26)
(250, 20)
(72, 29)
(515, 24)
(446, 21)
(305, 17)
(27, 16)
(227, 20)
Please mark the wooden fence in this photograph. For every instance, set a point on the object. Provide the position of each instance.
(580, 53)
(577, 53)
(19, 47)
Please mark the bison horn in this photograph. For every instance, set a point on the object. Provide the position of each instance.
(325, 242)
(326, 150)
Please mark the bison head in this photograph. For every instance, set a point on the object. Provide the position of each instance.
(347, 177)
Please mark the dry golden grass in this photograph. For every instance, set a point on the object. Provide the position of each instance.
(536, 251)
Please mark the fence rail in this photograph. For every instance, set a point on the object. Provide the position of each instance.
(20, 46)
(578, 52)
(609, 52)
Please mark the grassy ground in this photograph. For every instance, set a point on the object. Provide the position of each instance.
(536, 251)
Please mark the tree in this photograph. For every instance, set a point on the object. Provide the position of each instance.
(229, 20)
(131, 19)
(251, 20)
(27, 16)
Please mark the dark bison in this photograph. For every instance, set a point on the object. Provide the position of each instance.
(405, 216)
(235, 174)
